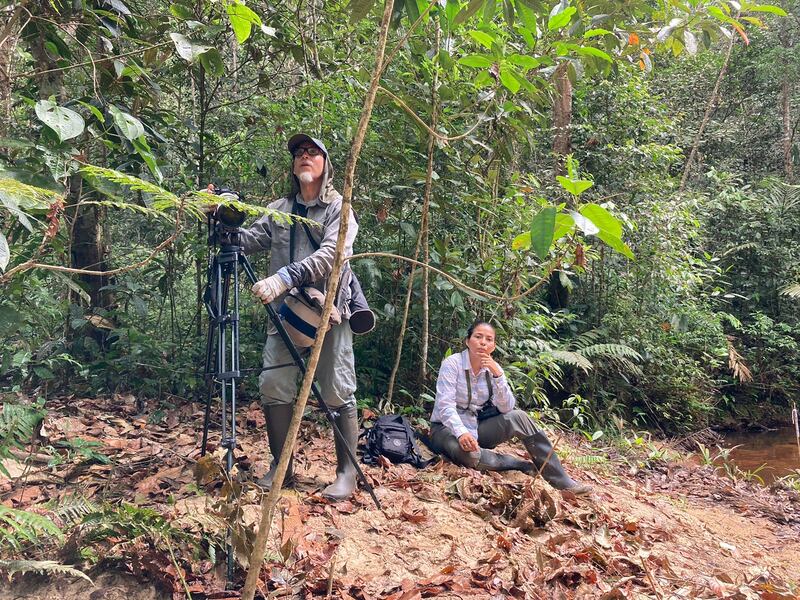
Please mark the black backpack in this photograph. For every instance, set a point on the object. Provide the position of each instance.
(393, 437)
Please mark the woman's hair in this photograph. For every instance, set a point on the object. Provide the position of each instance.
(475, 324)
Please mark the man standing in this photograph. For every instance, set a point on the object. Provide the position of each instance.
(299, 257)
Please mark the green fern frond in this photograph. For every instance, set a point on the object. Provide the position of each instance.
(782, 195)
(574, 359)
(17, 426)
(26, 197)
(160, 198)
(22, 526)
(42, 567)
(588, 338)
(611, 351)
(793, 290)
(72, 509)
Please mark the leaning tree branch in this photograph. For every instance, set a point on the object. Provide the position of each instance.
(270, 500)
(712, 100)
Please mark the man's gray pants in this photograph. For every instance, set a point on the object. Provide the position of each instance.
(336, 373)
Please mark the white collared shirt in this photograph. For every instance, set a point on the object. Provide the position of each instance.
(453, 408)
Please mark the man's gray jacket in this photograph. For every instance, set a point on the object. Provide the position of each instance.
(310, 267)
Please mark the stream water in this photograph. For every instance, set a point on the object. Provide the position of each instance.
(776, 449)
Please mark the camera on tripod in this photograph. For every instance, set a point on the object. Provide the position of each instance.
(227, 218)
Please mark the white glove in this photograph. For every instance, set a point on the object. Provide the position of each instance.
(270, 288)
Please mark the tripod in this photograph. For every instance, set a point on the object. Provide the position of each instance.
(222, 347)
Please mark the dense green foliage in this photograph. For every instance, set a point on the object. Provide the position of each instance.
(657, 303)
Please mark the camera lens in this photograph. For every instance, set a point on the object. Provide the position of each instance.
(227, 214)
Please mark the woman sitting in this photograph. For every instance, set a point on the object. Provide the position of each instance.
(471, 381)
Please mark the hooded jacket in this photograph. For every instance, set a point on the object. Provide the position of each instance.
(311, 267)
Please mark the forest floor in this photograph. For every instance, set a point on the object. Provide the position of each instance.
(651, 529)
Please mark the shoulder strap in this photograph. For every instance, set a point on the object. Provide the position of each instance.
(419, 462)
(469, 387)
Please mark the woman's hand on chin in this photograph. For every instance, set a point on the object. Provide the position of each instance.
(489, 363)
(468, 443)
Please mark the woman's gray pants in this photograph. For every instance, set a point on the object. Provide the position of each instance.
(499, 429)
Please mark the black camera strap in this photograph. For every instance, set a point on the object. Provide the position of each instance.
(469, 389)
(300, 210)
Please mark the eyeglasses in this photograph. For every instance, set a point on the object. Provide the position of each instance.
(310, 150)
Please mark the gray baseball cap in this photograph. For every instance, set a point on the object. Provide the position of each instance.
(300, 138)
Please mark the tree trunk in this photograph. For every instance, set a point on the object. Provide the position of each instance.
(786, 41)
(562, 116)
(786, 117)
(9, 36)
(557, 293)
(89, 245)
(425, 227)
(710, 105)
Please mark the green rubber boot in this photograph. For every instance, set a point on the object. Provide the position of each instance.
(345, 483)
(278, 417)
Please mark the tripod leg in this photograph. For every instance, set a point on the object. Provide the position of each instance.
(211, 365)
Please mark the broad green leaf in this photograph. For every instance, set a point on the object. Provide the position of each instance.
(522, 241)
(542, 229)
(509, 79)
(66, 123)
(359, 9)
(584, 224)
(455, 300)
(488, 10)
(522, 60)
(592, 51)
(212, 63)
(473, 7)
(561, 19)
(476, 60)
(242, 20)
(564, 225)
(143, 149)
(574, 186)
(411, 9)
(717, 13)
(616, 243)
(181, 11)
(187, 49)
(5, 252)
(483, 38)
(666, 31)
(129, 126)
(94, 110)
(595, 32)
(508, 13)
(767, 8)
(527, 15)
(451, 10)
(690, 42)
(602, 218)
(753, 21)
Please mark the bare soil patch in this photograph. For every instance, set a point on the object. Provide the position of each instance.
(674, 531)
